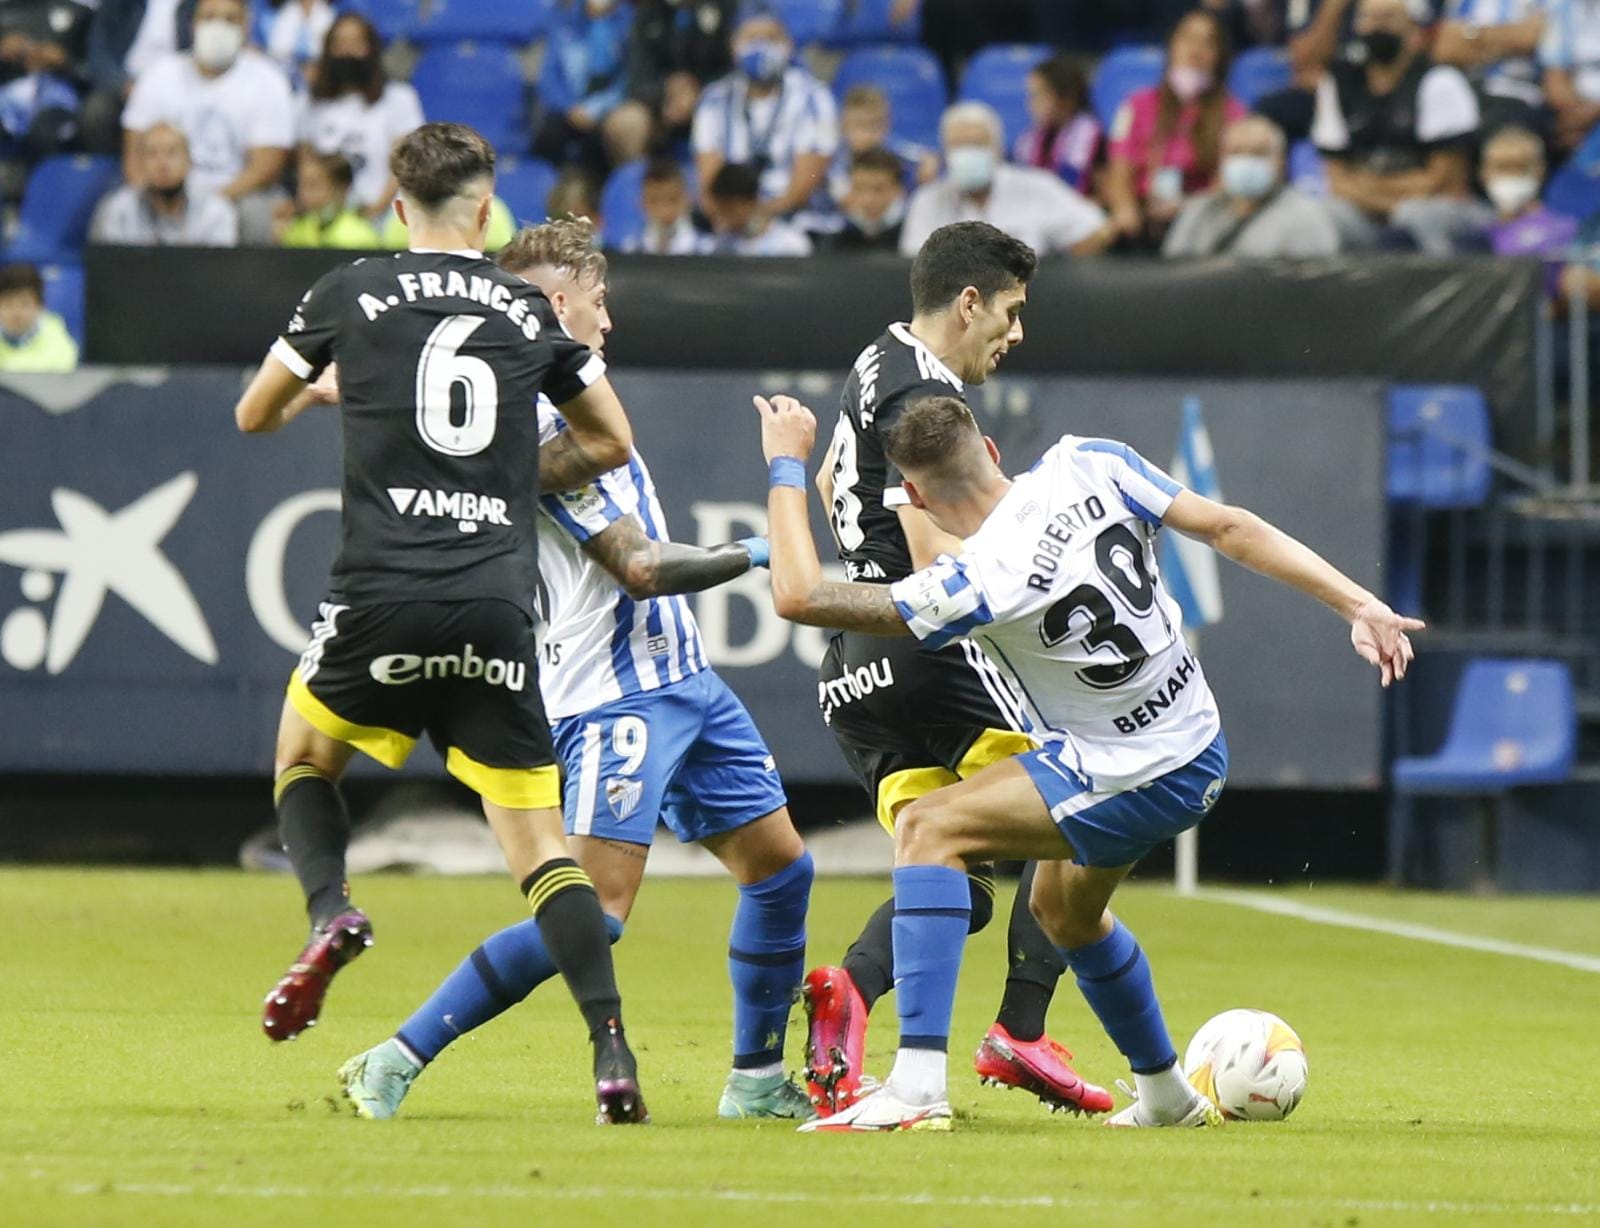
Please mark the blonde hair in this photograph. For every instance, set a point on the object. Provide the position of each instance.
(566, 244)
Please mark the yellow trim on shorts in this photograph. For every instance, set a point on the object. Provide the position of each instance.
(989, 747)
(514, 788)
(388, 746)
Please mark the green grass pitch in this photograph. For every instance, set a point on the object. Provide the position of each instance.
(1446, 1085)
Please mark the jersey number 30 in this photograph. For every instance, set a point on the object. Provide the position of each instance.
(440, 371)
(1120, 558)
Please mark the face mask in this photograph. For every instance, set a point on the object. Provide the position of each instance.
(1511, 192)
(167, 195)
(1248, 176)
(891, 218)
(217, 44)
(1188, 83)
(764, 60)
(971, 167)
(348, 72)
(1382, 46)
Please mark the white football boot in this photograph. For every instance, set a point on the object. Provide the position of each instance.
(1201, 1112)
(883, 1110)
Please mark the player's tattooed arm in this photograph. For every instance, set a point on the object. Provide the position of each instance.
(565, 465)
(647, 568)
(597, 440)
(841, 606)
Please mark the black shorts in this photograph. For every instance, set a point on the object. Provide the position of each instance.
(464, 672)
(910, 721)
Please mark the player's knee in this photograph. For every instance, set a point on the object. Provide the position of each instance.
(1067, 926)
(921, 833)
(982, 904)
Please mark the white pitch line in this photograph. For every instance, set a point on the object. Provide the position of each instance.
(1399, 929)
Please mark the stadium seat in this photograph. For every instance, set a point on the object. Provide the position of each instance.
(479, 84)
(868, 21)
(621, 210)
(810, 21)
(57, 206)
(524, 184)
(1575, 189)
(1514, 722)
(1124, 71)
(911, 79)
(63, 294)
(514, 22)
(1258, 72)
(998, 75)
(392, 18)
(1306, 171)
(1439, 441)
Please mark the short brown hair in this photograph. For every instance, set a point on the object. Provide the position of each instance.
(865, 97)
(14, 277)
(436, 162)
(565, 243)
(879, 159)
(335, 166)
(930, 434)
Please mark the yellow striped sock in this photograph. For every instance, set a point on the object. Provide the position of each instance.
(299, 771)
(550, 885)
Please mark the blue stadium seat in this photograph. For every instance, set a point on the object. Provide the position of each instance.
(1258, 72)
(810, 21)
(1575, 189)
(1306, 171)
(479, 84)
(57, 206)
(1439, 439)
(392, 18)
(867, 21)
(1124, 71)
(911, 79)
(515, 22)
(524, 184)
(1514, 722)
(621, 206)
(998, 75)
(63, 294)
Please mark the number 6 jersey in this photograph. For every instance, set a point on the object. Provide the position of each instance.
(442, 356)
(1061, 589)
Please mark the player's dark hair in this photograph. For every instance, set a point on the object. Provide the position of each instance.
(878, 159)
(1064, 77)
(930, 434)
(736, 181)
(437, 162)
(566, 243)
(663, 170)
(966, 254)
(15, 277)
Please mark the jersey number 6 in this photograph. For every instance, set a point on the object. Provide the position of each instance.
(440, 370)
(1120, 558)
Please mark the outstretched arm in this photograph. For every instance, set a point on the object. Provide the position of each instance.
(799, 593)
(647, 568)
(1376, 631)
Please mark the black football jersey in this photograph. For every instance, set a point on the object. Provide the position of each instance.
(442, 357)
(890, 374)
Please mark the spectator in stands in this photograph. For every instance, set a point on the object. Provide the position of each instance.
(978, 185)
(1512, 169)
(740, 226)
(352, 108)
(1166, 140)
(1570, 55)
(125, 38)
(1496, 42)
(676, 49)
(1396, 131)
(581, 85)
(31, 338)
(234, 105)
(769, 114)
(158, 209)
(576, 194)
(42, 46)
(322, 215)
(1065, 136)
(668, 228)
(1253, 213)
(875, 206)
(296, 32)
(864, 123)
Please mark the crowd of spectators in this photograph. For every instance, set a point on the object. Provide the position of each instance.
(1425, 125)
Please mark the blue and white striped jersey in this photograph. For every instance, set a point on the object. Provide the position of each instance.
(1516, 76)
(599, 644)
(1061, 589)
(1572, 41)
(800, 119)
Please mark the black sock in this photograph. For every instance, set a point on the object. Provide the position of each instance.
(574, 930)
(870, 959)
(1036, 966)
(314, 828)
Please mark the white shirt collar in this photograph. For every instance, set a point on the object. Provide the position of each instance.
(436, 251)
(904, 334)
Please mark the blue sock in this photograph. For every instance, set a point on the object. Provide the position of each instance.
(502, 972)
(1115, 979)
(932, 909)
(766, 959)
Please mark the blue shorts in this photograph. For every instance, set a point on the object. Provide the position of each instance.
(687, 753)
(1117, 829)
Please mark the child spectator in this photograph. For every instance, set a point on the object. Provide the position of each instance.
(325, 216)
(740, 226)
(1065, 136)
(875, 206)
(31, 338)
(864, 123)
(668, 229)
(575, 195)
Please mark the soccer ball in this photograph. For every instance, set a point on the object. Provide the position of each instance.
(1250, 1063)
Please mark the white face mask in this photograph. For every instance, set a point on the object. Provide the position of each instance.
(971, 167)
(217, 44)
(1511, 193)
